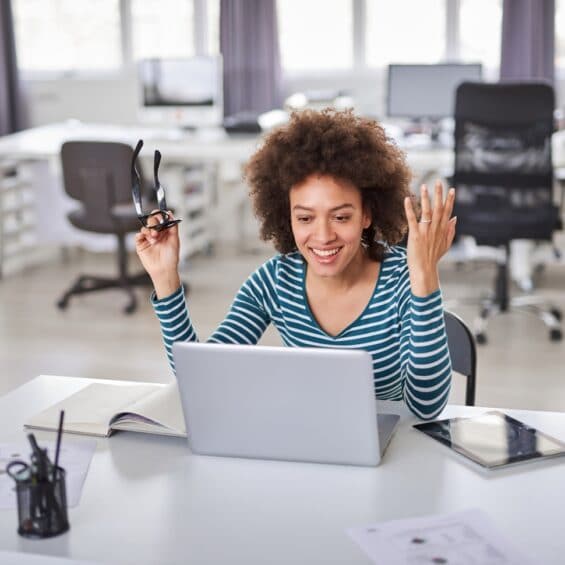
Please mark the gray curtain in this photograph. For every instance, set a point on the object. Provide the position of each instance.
(250, 49)
(528, 42)
(12, 106)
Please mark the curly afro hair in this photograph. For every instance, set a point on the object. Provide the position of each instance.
(339, 144)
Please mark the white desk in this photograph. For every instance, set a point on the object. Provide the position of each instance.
(38, 152)
(225, 207)
(147, 499)
(40, 148)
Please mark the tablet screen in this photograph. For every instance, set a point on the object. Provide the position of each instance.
(493, 439)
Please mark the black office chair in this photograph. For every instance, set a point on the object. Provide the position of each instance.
(97, 175)
(503, 176)
(463, 352)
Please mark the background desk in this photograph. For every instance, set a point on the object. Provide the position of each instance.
(220, 157)
(215, 157)
(212, 157)
(147, 499)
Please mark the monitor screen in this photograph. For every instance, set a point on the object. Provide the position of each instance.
(188, 89)
(427, 91)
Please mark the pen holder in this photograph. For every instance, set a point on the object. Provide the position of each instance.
(42, 506)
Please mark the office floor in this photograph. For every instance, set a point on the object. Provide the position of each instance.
(519, 367)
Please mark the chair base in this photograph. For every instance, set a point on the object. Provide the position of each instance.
(533, 305)
(500, 302)
(86, 283)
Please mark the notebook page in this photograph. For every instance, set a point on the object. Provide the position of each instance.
(90, 410)
(162, 407)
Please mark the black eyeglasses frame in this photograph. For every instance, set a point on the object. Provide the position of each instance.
(165, 220)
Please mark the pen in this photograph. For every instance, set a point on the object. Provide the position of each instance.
(40, 456)
(58, 445)
(33, 443)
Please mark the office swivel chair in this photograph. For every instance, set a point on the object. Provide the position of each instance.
(503, 176)
(463, 352)
(97, 175)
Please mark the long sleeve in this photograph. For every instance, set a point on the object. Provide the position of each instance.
(426, 363)
(245, 322)
(404, 334)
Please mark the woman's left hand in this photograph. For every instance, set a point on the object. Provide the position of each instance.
(429, 239)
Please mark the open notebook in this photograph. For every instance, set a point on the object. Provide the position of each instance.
(101, 408)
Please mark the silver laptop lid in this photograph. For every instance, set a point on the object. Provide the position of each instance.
(286, 403)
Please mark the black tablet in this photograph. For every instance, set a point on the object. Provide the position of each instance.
(493, 439)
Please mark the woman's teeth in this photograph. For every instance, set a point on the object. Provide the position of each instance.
(325, 252)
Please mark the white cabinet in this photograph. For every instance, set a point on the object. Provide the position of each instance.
(189, 191)
(18, 236)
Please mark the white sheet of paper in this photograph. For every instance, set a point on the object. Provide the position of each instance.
(463, 538)
(75, 457)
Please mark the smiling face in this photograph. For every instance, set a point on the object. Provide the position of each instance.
(328, 220)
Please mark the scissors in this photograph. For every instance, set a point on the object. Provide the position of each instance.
(19, 470)
(165, 220)
(40, 490)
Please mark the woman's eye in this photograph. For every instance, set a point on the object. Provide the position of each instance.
(303, 219)
(342, 218)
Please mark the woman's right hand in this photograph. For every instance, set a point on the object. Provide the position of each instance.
(158, 252)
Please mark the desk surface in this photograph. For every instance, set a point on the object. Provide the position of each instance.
(42, 146)
(45, 142)
(147, 499)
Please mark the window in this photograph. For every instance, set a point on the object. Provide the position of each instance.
(315, 34)
(480, 31)
(213, 15)
(86, 35)
(162, 28)
(405, 31)
(347, 34)
(67, 35)
(559, 35)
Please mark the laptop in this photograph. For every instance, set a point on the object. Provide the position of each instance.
(294, 404)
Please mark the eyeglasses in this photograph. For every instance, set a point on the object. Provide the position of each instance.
(163, 217)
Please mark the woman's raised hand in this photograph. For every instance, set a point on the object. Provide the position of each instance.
(430, 238)
(158, 252)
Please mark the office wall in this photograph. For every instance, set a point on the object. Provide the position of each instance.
(108, 100)
(114, 99)
(367, 87)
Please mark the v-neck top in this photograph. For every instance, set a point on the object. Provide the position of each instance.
(309, 309)
(404, 334)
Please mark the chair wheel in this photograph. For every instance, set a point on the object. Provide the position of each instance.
(555, 335)
(557, 314)
(63, 303)
(481, 338)
(130, 308)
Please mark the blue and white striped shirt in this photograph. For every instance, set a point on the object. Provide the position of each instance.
(404, 334)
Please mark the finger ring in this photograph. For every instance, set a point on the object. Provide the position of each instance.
(425, 221)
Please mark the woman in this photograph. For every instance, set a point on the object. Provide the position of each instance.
(332, 194)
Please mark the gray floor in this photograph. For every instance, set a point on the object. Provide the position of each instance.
(519, 367)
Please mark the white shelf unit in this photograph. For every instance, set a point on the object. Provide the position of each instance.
(189, 189)
(18, 235)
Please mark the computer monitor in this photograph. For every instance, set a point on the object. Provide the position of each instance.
(181, 91)
(427, 91)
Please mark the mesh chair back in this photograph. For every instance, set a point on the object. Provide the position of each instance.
(503, 171)
(98, 175)
(463, 352)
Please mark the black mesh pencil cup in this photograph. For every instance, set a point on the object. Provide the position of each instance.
(42, 504)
